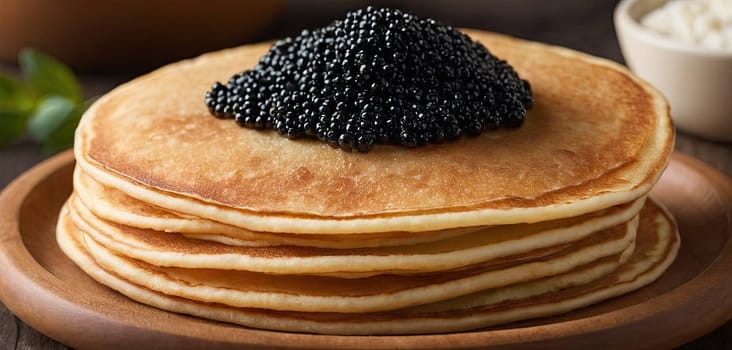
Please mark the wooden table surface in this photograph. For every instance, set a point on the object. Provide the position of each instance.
(590, 31)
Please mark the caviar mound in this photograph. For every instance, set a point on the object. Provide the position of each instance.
(378, 76)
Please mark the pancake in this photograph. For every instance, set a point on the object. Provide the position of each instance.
(502, 243)
(375, 293)
(328, 294)
(655, 249)
(596, 137)
(117, 207)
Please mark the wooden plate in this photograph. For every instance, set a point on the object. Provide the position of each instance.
(40, 285)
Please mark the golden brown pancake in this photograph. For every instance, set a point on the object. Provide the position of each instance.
(501, 243)
(117, 207)
(596, 137)
(369, 294)
(655, 249)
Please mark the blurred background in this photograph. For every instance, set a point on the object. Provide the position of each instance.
(109, 42)
(134, 36)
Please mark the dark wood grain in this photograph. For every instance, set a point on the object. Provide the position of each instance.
(575, 24)
(716, 154)
(9, 326)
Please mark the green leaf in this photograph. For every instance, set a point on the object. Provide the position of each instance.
(49, 116)
(14, 95)
(63, 137)
(48, 76)
(16, 103)
(12, 126)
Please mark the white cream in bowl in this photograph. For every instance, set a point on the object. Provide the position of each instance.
(706, 23)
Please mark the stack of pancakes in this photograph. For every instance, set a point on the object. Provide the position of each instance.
(192, 214)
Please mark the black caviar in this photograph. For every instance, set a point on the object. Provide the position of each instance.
(378, 76)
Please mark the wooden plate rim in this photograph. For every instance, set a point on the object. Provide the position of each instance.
(21, 276)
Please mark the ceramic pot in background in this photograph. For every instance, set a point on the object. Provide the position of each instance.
(114, 35)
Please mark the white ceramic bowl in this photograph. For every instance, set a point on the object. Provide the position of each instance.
(697, 81)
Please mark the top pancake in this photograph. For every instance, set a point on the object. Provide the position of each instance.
(596, 137)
